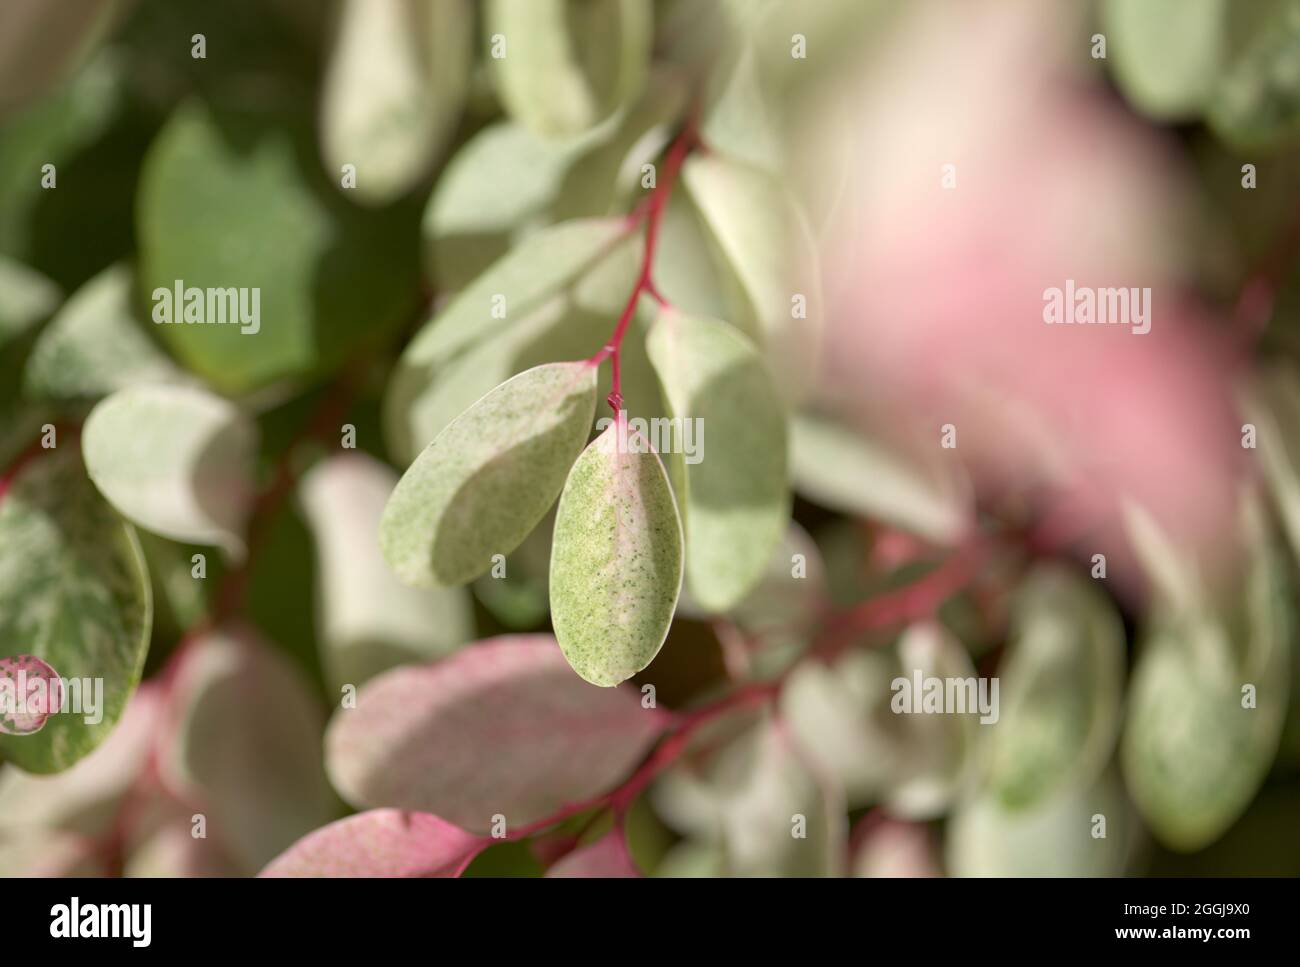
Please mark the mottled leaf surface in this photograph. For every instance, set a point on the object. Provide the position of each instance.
(380, 843)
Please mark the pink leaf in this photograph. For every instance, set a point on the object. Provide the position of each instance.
(503, 728)
(30, 692)
(382, 842)
(607, 857)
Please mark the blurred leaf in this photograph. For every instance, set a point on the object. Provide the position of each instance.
(519, 599)
(567, 65)
(231, 201)
(42, 42)
(369, 620)
(26, 297)
(94, 345)
(1256, 103)
(1274, 406)
(174, 459)
(1166, 53)
(889, 848)
(530, 737)
(685, 269)
(381, 842)
(765, 242)
(73, 592)
(737, 500)
(855, 474)
(489, 477)
(520, 283)
(1062, 684)
(246, 745)
(616, 558)
(607, 857)
(393, 94)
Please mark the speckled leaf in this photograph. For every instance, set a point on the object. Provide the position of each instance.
(500, 728)
(763, 241)
(489, 477)
(369, 621)
(1062, 684)
(94, 345)
(616, 560)
(736, 496)
(75, 593)
(244, 736)
(394, 89)
(176, 460)
(380, 842)
(567, 65)
(607, 857)
(1165, 53)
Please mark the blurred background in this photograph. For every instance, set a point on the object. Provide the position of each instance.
(922, 173)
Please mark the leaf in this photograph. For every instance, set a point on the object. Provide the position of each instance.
(369, 621)
(764, 243)
(32, 692)
(737, 501)
(889, 848)
(520, 283)
(94, 346)
(566, 65)
(1062, 682)
(26, 297)
(174, 459)
(1256, 103)
(73, 592)
(1055, 838)
(244, 738)
(1274, 407)
(607, 857)
(380, 842)
(1194, 751)
(1165, 53)
(393, 92)
(489, 477)
(500, 728)
(616, 558)
(228, 203)
(854, 474)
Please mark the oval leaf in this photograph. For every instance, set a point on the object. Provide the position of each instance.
(736, 495)
(174, 459)
(381, 842)
(1165, 53)
(489, 477)
(607, 857)
(616, 558)
(502, 727)
(74, 592)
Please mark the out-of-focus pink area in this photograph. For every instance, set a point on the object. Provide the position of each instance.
(936, 311)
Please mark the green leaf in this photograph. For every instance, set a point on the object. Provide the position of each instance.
(94, 345)
(174, 459)
(1062, 685)
(763, 241)
(857, 474)
(616, 561)
(1194, 749)
(26, 297)
(368, 621)
(737, 501)
(393, 92)
(1165, 53)
(502, 727)
(1256, 103)
(421, 399)
(489, 477)
(1274, 407)
(567, 65)
(74, 593)
(231, 201)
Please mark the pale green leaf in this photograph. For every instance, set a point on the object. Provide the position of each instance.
(489, 477)
(94, 345)
(1165, 53)
(616, 562)
(367, 620)
(73, 592)
(566, 65)
(394, 89)
(26, 297)
(174, 459)
(1256, 103)
(737, 500)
